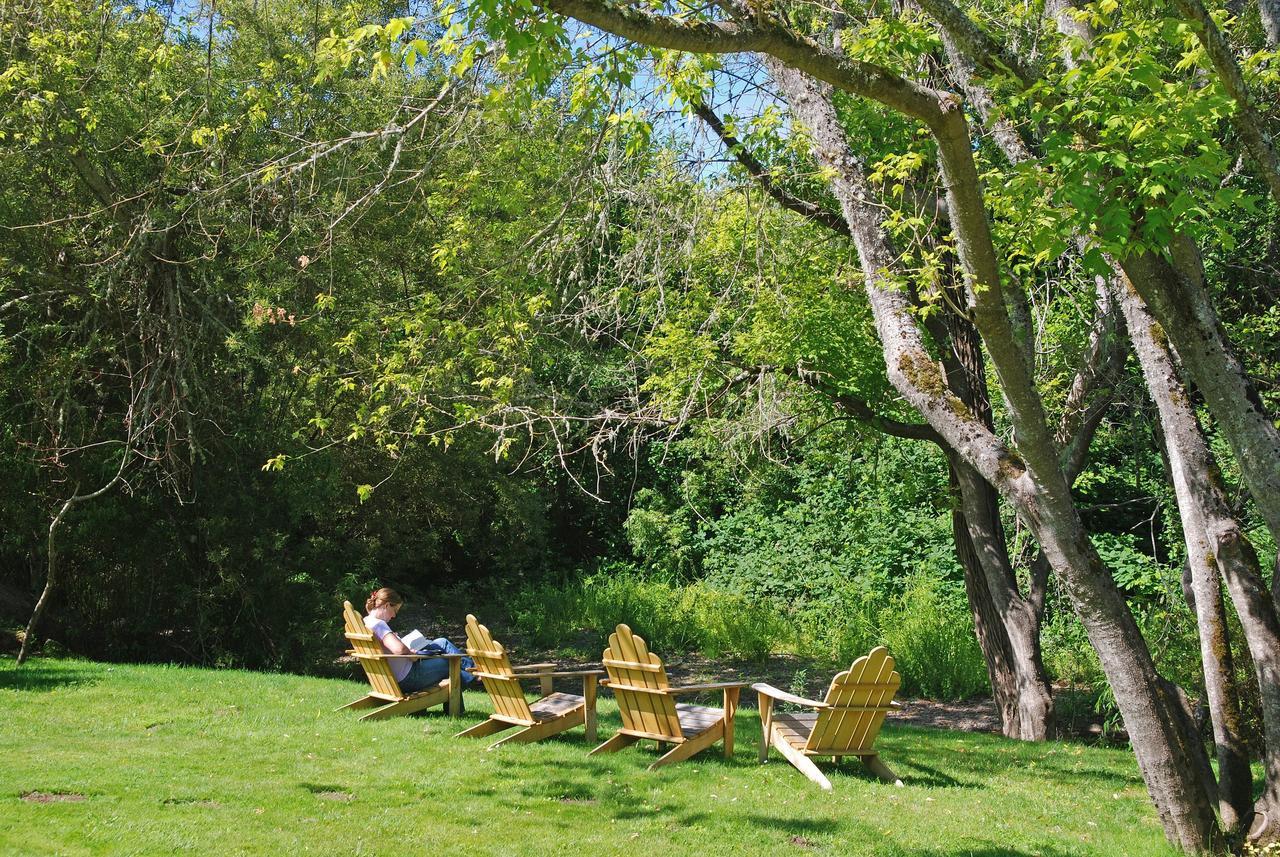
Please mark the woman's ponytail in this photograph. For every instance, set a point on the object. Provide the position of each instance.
(382, 596)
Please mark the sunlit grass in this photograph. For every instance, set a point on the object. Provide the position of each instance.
(173, 759)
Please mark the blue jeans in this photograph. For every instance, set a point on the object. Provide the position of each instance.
(430, 672)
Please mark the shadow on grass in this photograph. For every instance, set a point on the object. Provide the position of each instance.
(1084, 776)
(328, 792)
(993, 759)
(918, 774)
(38, 679)
(563, 789)
(793, 826)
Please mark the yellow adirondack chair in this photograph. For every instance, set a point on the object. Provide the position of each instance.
(550, 715)
(846, 723)
(647, 704)
(386, 694)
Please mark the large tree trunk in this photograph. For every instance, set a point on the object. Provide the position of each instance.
(1216, 545)
(1022, 693)
(1015, 665)
(1039, 493)
(1189, 466)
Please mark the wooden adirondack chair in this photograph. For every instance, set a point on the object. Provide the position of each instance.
(647, 704)
(550, 715)
(386, 693)
(846, 723)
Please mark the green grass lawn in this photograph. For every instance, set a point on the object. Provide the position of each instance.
(170, 759)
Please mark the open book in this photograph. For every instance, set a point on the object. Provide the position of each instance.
(420, 644)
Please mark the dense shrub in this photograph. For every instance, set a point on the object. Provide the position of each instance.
(670, 617)
(929, 632)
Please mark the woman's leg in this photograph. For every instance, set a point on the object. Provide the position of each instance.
(424, 674)
(450, 649)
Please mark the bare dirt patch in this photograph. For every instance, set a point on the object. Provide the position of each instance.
(52, 797)
(191, 801)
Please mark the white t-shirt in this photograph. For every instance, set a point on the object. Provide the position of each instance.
(399, 666)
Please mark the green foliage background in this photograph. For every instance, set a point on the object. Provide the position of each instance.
(394, 351)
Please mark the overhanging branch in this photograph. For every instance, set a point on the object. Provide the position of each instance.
(758, 171)
(727, 37)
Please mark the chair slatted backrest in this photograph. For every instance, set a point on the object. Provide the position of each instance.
(639, 683)
(491, 658)
(859, 699)
(363, 642)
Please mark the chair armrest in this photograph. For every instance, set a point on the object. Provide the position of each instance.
(702, 688)
(535, 667)
(372, 657)
(782, 696)
(571, 674)
(532, 676)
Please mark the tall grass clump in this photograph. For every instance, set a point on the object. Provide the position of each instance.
(671, 617)
(930, 633)
(927, 628)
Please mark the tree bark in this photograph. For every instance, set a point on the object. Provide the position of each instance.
(1039, 493)
(1270, 12)
(1021, 688)
(1216, 545)
(1189, 465)
(1018, 679)
(1178, 300)
(1024, 694)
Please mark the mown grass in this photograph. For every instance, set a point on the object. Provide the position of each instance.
(172, 759)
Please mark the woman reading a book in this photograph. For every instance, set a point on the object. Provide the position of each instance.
(412, 674)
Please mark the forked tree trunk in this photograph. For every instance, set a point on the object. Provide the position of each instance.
(1167, 758)
(1216, 545)
(1018, 680)
(1014, 664)
(1180, 303)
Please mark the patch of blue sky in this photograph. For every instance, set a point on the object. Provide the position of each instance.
(740, 88)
